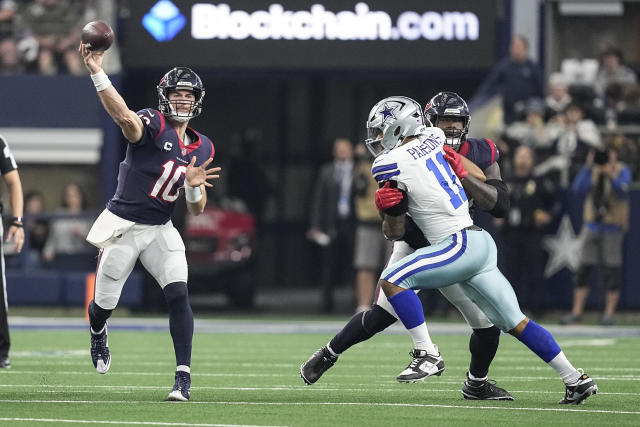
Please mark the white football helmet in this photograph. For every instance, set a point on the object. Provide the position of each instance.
(391, 121)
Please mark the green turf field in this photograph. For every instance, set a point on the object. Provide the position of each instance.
(251, 379)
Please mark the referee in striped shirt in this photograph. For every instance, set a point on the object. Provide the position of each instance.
(15, 233)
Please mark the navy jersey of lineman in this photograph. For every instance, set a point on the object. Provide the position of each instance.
(481, 151)
(153, 170)
(437, 202)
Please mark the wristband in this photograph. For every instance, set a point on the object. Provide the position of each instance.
(101, 80)
(192, 194)
(17, 219)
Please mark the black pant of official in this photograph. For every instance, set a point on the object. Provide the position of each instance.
(4, 321)
(337, 262)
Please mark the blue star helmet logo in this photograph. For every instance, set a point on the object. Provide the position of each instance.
(387, 112)
(164, 21)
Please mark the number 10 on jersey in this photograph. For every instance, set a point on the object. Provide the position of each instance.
(169, 194)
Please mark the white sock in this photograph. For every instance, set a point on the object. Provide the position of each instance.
(183, 368)
(565, 369)
(471, 377)
(333, 353)
(421, 339)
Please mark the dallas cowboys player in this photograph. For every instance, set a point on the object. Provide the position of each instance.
(448, 111)
(163, 154)
(428, 187)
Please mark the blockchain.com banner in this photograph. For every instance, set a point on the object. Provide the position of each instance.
(307, 34)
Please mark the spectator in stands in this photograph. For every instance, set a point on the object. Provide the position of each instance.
(612, 70)
(629, 114)
(530, 131)
(612, 104)
(333, 221)
(371, 248)
(9, 61)
(56, 26)
(532, 202)
(573, 136)
(558, 96)
(604, 180)
(517, 78)
(37, 227)
(66, 246)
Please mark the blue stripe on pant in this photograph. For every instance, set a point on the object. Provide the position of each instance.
(468, 257)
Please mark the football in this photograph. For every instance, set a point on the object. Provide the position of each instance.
(98, 35)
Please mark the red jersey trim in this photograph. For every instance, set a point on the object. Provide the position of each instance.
(493, 150)
(464, 149)
(162, 122)
(193, 146)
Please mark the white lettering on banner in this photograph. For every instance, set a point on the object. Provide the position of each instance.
(210, 21)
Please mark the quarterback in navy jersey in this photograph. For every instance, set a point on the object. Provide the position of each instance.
(163, 156)
(485, 188)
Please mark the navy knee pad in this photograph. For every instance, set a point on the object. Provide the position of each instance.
(175, 291)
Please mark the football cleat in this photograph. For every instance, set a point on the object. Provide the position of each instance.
(5, 363)
(318, 364)
(484, 390)
(181, 387)
(422, 366)
(575, 394)
(100, 355)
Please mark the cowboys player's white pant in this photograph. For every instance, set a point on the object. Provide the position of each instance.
(469, 258)
(159, 247)
(454, 293)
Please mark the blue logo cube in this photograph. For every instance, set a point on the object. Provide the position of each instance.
(164, 21)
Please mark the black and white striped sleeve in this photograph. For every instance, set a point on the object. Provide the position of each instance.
(7, 162)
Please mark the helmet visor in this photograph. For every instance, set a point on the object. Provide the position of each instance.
(374, 141)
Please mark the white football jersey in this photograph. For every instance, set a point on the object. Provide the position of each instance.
(437, 201)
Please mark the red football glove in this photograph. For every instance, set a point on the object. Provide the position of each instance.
(455, 160)
(387, 197)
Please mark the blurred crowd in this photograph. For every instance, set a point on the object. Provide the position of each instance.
(585, 107)
(42, 36)
(56, 237)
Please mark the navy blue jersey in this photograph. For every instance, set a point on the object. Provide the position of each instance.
(481, 151)
(152, 172)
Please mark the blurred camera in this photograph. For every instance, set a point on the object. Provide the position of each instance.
(600, 158)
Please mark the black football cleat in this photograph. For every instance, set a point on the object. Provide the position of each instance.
(100, 355)
(5, 362)
(484, 390)
(181, 387)
(318, 364)
(576, 394)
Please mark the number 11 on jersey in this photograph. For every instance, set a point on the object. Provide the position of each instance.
(457, 196)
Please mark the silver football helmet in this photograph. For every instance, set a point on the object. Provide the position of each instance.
(391, 121)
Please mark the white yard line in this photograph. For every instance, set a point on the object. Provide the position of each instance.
(144, 423)
(281, 375)
(395, 405)
(10, 388)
